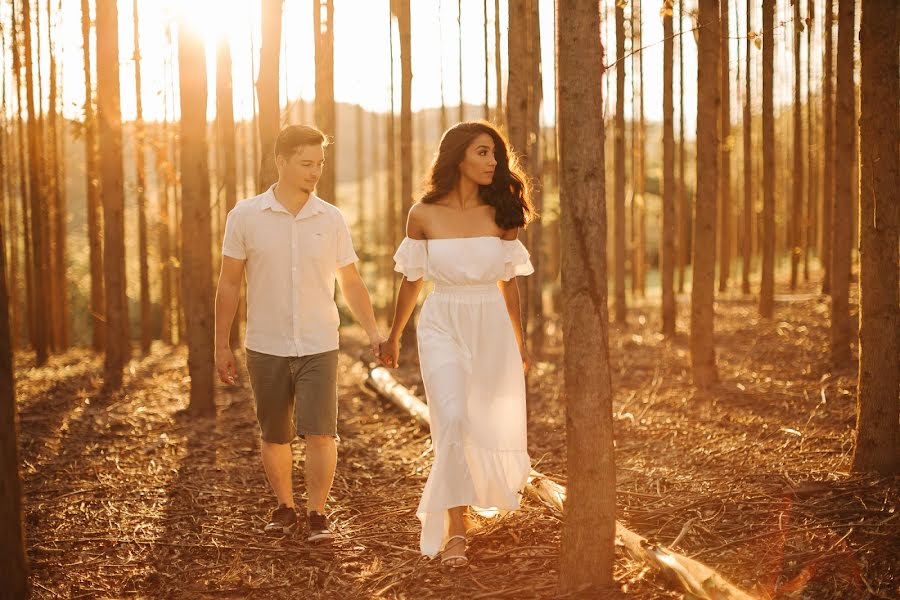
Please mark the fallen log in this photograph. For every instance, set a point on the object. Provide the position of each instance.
(698, 580)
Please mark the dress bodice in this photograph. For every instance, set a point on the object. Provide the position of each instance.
(462, 261)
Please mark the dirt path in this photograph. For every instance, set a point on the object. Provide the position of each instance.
(128, 496)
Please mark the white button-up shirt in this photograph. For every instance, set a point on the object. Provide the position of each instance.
(290, 265)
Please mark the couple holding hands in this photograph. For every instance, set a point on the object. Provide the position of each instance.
(462, 236)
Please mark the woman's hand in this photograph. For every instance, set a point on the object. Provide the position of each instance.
(390, 352)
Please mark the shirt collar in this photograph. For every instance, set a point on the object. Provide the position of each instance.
(313, 206)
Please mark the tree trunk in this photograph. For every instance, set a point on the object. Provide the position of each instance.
(197, 291)
(797, 171)
(462, 103)
(487, 85)
(667, 247)
(703, 354)
(535, 165)
(844, 122)
(517, 76)
(684, 214)
(14, 570)
(877, 432)
(587, 551)
(409, 340)
(621, 306)
(767, 284)
(324, 104)
(725, 156)
(498, 70)
(640, 255)
(827, 145)
(113, 186)
(8, 218)
(811, 149)
(395, 229)
(267, 92)
(164, 167)
(747, 237)
(226, 134)
(55, 218)
(146, 331)
(36, 204)
(361, 171)
(92, 177)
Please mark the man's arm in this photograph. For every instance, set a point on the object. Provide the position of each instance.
(356, 295)
(228, 294)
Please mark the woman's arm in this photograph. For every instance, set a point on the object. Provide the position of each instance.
(407, 296)
(510, 290)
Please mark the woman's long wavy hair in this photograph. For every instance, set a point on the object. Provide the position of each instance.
(509, 192)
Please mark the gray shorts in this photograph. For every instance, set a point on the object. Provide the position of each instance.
(295, 395)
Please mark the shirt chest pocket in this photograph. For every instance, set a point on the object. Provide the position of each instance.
(318, 244)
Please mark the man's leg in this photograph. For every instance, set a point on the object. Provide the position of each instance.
(278, 462)
(321, 462)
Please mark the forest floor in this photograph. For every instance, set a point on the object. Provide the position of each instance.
(128, 496)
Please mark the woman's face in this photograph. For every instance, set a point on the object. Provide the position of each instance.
(479, 163)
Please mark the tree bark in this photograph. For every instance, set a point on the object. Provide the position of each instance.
(844, 122)
(139, 141)
(725, 156)
(267, 92)
(703, 355)
(621, 305)
(226, 135)
(767, 284)
(749, 184)
(827, 145)
(500, 115)
(324, 102)
(877, 431)
(196, 285)
(667, 254)
(811, 149)
(797, 183)
(37, 205)
(588, 533)
(92, 177)
(684, 214)
(14, 571)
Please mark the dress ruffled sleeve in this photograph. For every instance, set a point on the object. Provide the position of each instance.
(517, 259)
(411, 258)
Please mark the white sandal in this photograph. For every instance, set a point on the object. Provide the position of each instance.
(458, 561)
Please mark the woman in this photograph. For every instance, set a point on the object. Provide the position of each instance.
(462, 236)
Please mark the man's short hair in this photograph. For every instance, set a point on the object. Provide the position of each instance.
(293, 136)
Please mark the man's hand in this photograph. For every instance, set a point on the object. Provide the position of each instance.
(390, 352)
(226, 365)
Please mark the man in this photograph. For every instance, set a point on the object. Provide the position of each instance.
(293, 246)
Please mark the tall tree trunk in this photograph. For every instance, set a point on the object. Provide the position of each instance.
(14, 571)
(325, 108)
(361, 172)
(462, 103)
(797, 171)
(24, 180)
(640, 256)
(9, 216)
(267, 92)
(226, 134)
(113, 184)
(877, 432)
(92, 180)
(406, 164)
(767, 284)
(394, 227)
(517, 76)
(254, 102)
(487, 85)
(196, 234)
(827, 145)
(703, 353)
(621, 306)
(667, 254)
(587, 551)
(37, 204)
(146, 326)
(844, 122)
(684, 214)
(811, 148)
(725, 155)
(535, 165)
(747, 237)
(500, 115)
(55, 218)
(164, 232)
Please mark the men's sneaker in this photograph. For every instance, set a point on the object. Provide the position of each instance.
(319, 529)
(282, 521)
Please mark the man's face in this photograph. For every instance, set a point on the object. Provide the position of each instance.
(303, 168)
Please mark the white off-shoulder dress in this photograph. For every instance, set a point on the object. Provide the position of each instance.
(473, 377)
